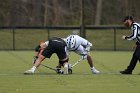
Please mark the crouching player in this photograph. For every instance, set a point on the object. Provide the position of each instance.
(45, 50)
(81, 46)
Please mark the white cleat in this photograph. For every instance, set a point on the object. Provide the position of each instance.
(95, 71)
(29, 72)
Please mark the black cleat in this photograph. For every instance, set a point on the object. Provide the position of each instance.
(125, 72)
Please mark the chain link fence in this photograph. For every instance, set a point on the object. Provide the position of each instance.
(27, 38)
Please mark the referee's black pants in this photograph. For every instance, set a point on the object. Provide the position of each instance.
(135, 58)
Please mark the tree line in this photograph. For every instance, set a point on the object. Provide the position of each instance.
(66, 12)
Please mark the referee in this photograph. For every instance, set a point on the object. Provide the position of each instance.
(135, 28)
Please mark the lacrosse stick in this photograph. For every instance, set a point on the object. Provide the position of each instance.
(56, 70)
(48, 67)
(76, 62)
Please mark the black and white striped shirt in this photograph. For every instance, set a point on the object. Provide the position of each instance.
(135, 28)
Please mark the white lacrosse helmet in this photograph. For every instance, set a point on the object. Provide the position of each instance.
(71, 41)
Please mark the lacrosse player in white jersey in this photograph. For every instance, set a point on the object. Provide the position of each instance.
(82, 47)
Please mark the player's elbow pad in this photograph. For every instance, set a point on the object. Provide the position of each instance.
(89, 44)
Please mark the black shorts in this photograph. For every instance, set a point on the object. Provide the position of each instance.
(56, 45)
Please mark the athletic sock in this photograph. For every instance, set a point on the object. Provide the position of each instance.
(33, 68)
(92, 68)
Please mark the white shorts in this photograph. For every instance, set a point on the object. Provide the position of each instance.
(81, 50)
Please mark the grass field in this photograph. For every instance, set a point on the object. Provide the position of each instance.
(14, 63)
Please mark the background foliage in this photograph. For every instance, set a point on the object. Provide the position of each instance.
(66, 12)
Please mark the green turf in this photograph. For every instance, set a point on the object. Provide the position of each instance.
(14, 63)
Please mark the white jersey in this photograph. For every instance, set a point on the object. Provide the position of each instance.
(77, 44)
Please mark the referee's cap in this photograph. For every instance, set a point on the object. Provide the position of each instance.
(128, 17)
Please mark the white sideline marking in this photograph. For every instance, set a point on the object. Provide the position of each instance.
(11, 74)
(101, 73)
(4, 74)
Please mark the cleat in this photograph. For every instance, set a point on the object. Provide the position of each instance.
(125, 72)
(28, 72)
(95, 71)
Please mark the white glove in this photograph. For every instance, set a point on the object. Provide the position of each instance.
(87, 49)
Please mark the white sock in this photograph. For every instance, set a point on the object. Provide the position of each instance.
(92, 68)
(33, 68)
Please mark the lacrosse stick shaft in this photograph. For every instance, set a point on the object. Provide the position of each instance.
(76, 62)
(48, 67)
